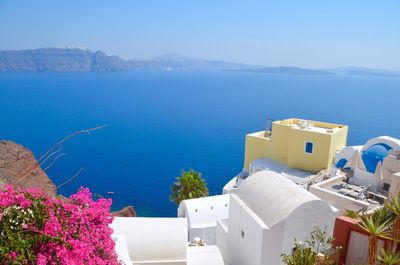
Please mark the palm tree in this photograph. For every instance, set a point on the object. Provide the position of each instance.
(389, 258)
(377, 227)
(384, 222)
(394, 206)
(188, 185)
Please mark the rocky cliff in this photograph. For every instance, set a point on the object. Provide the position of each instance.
(17, 161)
(128, 211)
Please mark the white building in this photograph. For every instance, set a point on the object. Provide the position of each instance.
(268, 206)
(363, 176)
(266, 213)
(373, 163)
(159, 241)
(202, 215)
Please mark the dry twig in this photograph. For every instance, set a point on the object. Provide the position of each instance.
(54, 161)
(71, 178)
(57, 147)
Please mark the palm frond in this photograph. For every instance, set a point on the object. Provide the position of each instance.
(188, 185)
(389, 257)
(375, 227)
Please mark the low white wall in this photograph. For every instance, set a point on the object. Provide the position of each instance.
(205, 255)
(154, 241)
(204, 212)
(233, 231)
(339, 201)
(121, 248)
(395, 185)
(246, 248)
(272, 245)
(302, 221)
(168, 262)
(250, 246)
(207, 234)
(364, 178)
(230, 186)
(222, 238)
(202, 215)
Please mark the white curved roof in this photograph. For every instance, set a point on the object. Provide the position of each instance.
(392, 142)
(203, 212)
(204, 255)
(273, 197)
(153, 240)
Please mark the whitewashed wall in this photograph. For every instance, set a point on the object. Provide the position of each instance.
(154, 240)
(247, 249)
(302, 221)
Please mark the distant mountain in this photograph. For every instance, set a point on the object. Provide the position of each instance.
(180, 62)
(360, 71)
(80, 60)
(64, 60)
(284, 70)
(353, 70)
(83, 60)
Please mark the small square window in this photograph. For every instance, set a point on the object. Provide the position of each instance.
(309, 147)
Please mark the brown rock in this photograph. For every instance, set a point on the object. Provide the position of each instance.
(17, 161)
(128, 211)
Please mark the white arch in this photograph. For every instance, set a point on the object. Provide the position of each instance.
(390, 141)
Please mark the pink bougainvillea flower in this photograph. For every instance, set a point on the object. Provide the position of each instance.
(73, 231)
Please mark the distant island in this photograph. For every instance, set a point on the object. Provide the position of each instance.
(81, 60)
(84, 60)
(285, 70)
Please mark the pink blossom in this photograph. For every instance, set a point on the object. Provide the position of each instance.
(73, 231)
(41, 259)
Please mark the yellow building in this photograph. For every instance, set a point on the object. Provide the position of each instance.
(300, 144)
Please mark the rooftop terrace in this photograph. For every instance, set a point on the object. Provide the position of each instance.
(345, 196)
(313, 126)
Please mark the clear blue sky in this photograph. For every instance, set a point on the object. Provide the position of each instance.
(305, 33)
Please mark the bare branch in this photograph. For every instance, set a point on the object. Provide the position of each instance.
(70, 136)
(58, 145)
(50, 155)
(71, 178)
(54, 161)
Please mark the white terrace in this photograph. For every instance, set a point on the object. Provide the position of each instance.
(159, 241)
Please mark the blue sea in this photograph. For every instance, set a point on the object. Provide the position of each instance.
(162, 122)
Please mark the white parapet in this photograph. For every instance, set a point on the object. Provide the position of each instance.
(154, 240)
(325, 190)
(395, 185)
(204, 255)
(202, 215)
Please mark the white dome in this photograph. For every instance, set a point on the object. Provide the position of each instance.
(390, 141)
(273, 197)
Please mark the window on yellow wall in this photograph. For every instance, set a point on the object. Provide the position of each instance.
(309, 147)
